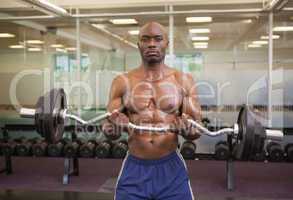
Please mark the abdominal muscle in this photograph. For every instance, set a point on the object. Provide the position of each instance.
(151, 145)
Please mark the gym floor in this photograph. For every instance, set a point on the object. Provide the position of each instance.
(42, 178)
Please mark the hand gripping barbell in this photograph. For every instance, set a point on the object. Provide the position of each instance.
(51, 112)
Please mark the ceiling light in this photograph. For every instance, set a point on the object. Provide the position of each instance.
(70, 49)
(6, 35)
(200, 38)
(123, 21)
(199, 30)
(260, 42)
(254, 45)
(61, 50)
(200, 43)
(56, 45)
(53, 6)
(283, 28)
(133, 32)
(247, 21)
(200, 46)
(35, 42)
(198, 19)
(34, 49)
(18, 46)
(266, 37)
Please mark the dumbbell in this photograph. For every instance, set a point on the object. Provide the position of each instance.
(120, 149)
(188, 149)
(71, 149)
(51, 113)
(1, 146)
(289, 152)
(205, 122)
(87, 149)
(103, 149)
(222, 151)
(8, 148)
(259, 156)
(40, 148)
(275, 152)
(56, 149)
(24, 147)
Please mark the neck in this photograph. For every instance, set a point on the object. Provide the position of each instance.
(153, 67)
(153, 72)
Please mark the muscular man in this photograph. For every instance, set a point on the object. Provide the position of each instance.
(153, 94)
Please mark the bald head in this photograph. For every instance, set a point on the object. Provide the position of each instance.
(153, 27)
(152, 43)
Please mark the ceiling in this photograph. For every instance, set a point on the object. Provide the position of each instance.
(228, 29)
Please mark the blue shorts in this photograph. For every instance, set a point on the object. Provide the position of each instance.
(162, 179)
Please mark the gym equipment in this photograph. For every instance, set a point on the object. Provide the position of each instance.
(87, 149)
(205, 122)
(275, 152)
(222, 151)
(24, 147)
(1, 146)
(8, 148)
(120, 149)
(40, 148)
(56, 149)
(187, 150)
(71, 149)
(259, 156)
(51, 112)
(103, 149)
(289, 152)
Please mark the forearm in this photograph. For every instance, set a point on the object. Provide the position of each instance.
(191, 133)
(110, 130)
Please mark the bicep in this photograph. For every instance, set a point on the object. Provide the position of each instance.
(191, 106)
(116, 94)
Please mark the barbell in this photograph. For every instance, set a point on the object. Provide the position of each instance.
(51, 113)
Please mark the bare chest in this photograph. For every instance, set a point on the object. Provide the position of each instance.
(143, 95)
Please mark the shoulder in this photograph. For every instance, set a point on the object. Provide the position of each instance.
(120, 79)
(183, 78)
(120, 83)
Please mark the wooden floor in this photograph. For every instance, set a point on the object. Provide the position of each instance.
(45, 195)
(41, 179)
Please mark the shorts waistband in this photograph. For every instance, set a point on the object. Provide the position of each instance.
(166, 158)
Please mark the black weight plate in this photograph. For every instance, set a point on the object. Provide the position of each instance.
(238, 145)
(259, 138)
(245, 136)
(48, 121)
(250, 140)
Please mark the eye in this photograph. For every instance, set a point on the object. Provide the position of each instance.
(158, 38)
(145, 39)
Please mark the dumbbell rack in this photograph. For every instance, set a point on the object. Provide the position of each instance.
(8, 164)
(71, 165)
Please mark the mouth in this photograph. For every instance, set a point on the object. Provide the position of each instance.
(152, 53)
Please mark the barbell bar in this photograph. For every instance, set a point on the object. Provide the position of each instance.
(51, 113)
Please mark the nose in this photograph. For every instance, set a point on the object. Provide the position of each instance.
(152, 43)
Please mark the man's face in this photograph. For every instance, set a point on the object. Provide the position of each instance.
(152, 43)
